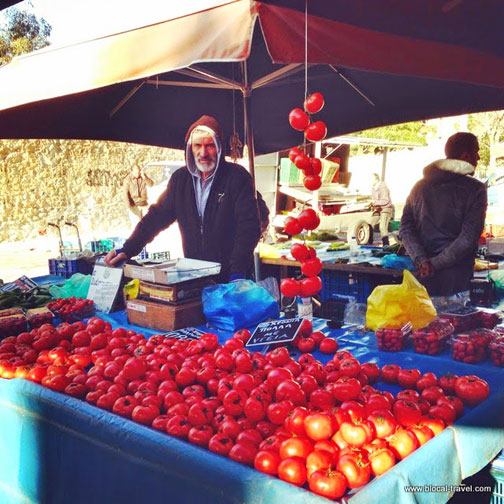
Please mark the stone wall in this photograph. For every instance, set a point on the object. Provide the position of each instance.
(79, 181)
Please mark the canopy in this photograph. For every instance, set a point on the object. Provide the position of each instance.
(376, 63)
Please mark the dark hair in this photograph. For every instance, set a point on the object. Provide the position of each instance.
(460, 143)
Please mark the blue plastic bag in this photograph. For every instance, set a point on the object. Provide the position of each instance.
(238, 305)
(397, 262)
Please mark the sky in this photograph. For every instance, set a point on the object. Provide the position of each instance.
(78, 20)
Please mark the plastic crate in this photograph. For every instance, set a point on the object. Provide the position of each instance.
(334, 308)
(67, 267)
(394, 225)
(497, 473)
(357, 285)
(289, 174)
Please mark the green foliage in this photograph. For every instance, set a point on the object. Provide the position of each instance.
(22, 33)
(489, 128)
(411, 132)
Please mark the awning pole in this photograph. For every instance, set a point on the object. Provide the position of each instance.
(247, 116)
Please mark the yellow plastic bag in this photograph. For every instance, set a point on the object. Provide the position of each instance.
(392, 306)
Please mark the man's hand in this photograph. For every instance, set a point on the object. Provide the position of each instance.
(425, 269)
(113, 258)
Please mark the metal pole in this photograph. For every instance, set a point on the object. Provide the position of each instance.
(384, 163)
(247, 118)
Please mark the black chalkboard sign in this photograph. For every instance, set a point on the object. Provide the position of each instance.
(276, 331)
(190, 333)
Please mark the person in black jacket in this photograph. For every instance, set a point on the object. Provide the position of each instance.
(213, 202)
(444, 216)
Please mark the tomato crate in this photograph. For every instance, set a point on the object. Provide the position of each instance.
(357, 285)
(67, 267)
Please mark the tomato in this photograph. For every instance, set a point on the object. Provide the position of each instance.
(328, 346)
(292, 470)
(384, 423)
(306, 345)
(243, 452)
(427, 380)
(277, 376)
(356, 468)
(316, 131)
(81, 338)
(267, 462)
(134, 368)
(445, 412)
(389, 373)
(318, 459)
(436, 425)
(76, 390)
(295, 447)
(298, 119)
(318, 426)
(220, 443)
(200, 435)
(406, 412)
(371, 370)
(310, 286)
(294, 423)
(381, 461)
(302, 161)
(471, 389)
(422, 433)
(377, 402)
(357, 434)
(124, 406)
(432, 394)
(277, 412)
(355, 410)
(314, 103)
(447, 383)
(292, 226)
(322, 399)
(200, 414)
(299, 252)
(178, 426)
(328, 483)
(407, 378)
(234, 401)
(453, 401)
(230, 427)
(409, 395)
(345, 389)
(145, 414)
(403, 443)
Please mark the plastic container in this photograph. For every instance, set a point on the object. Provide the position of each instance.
(67, 267)
(496, 350)
(463, 319)
(64, 308)
(432, 340)
(489, 318)
(393, 340)
(354, 250)
(472, 347)
(39, 316)
(12, 325)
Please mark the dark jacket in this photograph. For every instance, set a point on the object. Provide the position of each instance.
(230, 229)
(442, 221)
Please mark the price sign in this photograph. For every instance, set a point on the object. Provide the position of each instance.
(190, 333)
(105, 284)
(276, 331)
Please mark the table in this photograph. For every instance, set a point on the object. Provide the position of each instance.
(57, 449)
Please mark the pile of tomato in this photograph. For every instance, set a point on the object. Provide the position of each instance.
(72, 308)
(324, 426)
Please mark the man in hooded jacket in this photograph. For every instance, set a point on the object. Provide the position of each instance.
(213, 202)
(444, 217)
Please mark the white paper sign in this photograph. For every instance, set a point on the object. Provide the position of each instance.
(105, 283)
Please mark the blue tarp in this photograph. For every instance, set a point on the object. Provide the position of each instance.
(57, 449)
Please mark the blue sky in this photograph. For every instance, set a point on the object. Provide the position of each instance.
(77, 20)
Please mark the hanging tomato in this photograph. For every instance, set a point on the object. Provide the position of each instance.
(298, 119)
(292, 226)
(289, 287)
(300, 252)
(316, 131)
(295, 151)
(310, 286)
(309, 219)
(314, 103)
(311, 267)
(312, 182)
(316, 165)
(302, 161)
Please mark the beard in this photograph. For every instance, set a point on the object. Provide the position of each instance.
(205, 167)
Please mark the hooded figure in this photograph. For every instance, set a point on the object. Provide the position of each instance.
(212, 201)
(443, 218)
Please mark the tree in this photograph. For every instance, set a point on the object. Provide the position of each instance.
(489, 128)
(22, 33)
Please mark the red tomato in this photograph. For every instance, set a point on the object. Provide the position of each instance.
(267, 462)
(295, 151)
(407, 378)
(292, 470)
(314, 103)
(302, 161)
(384, 423)
(309, 220)
(178, 426)
(145, 414)
(406, 412)
(243, 452)
(453, 401)
(300, 252)
(422, 433)
(328, 346)
(381, 461)
(311, 267)
(436, 425)
(316, 131)
(427, 380)
(306, 345)
(318, 459)
(312, 182)
(377, 402)
(389, 373)
(295, 447)
(371, 370)
(322, 399)
(445, 412)
(294, 423)
(310, 286)
(318, 426)
(200, 435)
(357, 434)
(402, 443)
(292, 226)
(471, 389)
(220, 443)
(330, 484)
(346, 389)
(298, 119)
(356, 468)
(447, 383)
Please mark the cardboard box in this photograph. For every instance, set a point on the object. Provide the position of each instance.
(176, 293)
(172, 272)
(164, 317)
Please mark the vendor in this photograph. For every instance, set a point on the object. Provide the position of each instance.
(213, 202)
(444, 217)
(383, 210)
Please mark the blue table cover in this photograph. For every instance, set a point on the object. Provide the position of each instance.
(57, 449)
